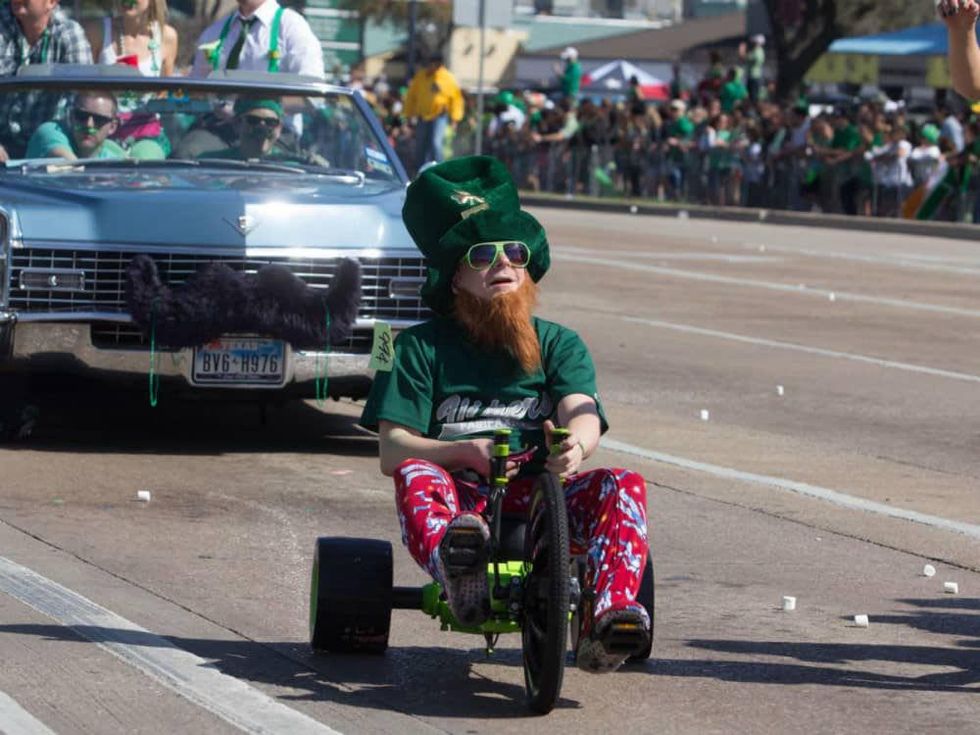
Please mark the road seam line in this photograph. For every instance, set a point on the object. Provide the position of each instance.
(844, 500)
(190, 676)
(685, 328)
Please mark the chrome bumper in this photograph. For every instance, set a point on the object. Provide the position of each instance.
(68, 346)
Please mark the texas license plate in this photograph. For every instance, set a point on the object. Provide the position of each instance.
(240, 361)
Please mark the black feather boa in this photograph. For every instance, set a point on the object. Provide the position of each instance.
(218, 300)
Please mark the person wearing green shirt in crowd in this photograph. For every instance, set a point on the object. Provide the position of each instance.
(259, 125)
(678, 86)
(713, 78)
(848, 148)
(755, 62)
(485, 362)
(92, 118)
(571, 74)
(679, 140)
(732, 91)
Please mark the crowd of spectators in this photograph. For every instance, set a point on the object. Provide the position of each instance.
(723, 141)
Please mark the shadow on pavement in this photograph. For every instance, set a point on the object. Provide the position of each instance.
(414, 680)
(960, 658)
(75, 415)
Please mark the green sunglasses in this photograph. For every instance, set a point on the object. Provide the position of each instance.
(484, 255)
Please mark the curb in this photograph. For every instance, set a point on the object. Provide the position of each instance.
(948, 230)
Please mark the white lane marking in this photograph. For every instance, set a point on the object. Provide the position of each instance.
(904, 260)
(709, 257)
(814, 491)
(804, 348)
(771, 286)
(190, 676)
(15, 720)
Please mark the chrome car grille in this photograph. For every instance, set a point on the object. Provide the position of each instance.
(105, 285)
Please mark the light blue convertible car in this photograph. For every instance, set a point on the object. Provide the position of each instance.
(245, 170)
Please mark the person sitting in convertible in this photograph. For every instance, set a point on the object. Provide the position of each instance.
(91, 119)
(486, 362)
(258, 123)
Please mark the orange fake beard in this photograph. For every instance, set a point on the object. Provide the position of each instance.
(503, 324)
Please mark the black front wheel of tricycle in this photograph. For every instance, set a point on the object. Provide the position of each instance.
(544, 629)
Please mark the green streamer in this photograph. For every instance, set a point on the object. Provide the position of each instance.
(154, 359)
(320, 369)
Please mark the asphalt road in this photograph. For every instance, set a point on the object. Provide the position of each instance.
(188, 613)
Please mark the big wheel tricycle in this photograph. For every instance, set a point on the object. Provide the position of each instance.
(534, 576)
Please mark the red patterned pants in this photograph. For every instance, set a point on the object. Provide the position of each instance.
(606, 521)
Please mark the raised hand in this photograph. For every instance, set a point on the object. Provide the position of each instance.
(959, 13)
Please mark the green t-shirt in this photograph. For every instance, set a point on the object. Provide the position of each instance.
(683, 129)
(54, 134)
(756, 61)
(571, 79)
(847, 138)
(731, 94)
(722, 159)
(446, 388)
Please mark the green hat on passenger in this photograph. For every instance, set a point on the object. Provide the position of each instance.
(930, 133)
(247, 104)
(462, 202)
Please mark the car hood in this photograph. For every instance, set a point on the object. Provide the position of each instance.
(206, 208)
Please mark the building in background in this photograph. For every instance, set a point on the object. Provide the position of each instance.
(708, 8)
(623, 9)
(653, 48)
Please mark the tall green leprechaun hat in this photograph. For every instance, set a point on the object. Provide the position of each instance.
(454, 205)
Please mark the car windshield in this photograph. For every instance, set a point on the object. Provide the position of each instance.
(285, 131)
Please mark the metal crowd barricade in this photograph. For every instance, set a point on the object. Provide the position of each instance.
(565, 167)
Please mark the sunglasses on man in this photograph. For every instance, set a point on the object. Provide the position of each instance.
(82, 117)
(255, 121)
(484, 255)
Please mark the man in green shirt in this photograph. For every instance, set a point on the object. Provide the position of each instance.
(847, 159)
(571, 74)
(755, 62)
(679, 141)
(485, 362)
(91, 120)
(732, 92)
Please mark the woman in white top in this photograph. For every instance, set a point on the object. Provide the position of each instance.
(137, 34)
(890, 164)
(136, 28)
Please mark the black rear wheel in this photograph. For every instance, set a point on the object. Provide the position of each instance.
(351, 595)
(544, 629)
(646, 597)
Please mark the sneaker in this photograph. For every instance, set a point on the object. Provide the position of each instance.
(615, 637)
(463, 555)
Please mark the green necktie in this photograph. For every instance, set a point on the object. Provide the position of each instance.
(236, 50)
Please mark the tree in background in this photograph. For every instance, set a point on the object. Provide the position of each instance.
(433, 19)
(802, 30)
